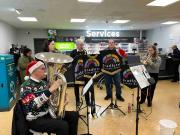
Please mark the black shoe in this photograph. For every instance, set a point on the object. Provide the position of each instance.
(174, 80)
(107, 97)
(120, 98)
(141, 101)
(149, 104)
(88, 104)
(77, 103)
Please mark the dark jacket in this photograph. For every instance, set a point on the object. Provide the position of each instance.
(176, 53)
(76, 55)
(19, 126)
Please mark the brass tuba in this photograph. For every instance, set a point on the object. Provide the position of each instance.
(55, 64)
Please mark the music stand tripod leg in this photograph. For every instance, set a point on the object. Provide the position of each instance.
(109, 106)
(93, 103)
(116, 107)
(113, 106)
(137, 112)
(87, 123)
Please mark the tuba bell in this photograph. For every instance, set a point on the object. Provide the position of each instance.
(56, 68)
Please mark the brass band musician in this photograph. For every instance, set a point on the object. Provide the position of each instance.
(35, 95)
(152, 63)
(75, 54)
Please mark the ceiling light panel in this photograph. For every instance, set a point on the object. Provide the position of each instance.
(28, 19)
(75, 20)
(162, 3)
(170, 22)
(91, 1)
(121, 21)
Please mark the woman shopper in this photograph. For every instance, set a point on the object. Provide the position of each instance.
(23, 62)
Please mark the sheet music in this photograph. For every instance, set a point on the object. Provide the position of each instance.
(145, 71)
(88, 85)
(138, 72)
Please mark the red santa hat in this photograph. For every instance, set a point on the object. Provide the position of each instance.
(121, 52)
(33, 65)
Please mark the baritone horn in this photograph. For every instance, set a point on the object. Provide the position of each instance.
(55, 63)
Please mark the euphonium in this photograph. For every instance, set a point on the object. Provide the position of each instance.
(56, 69)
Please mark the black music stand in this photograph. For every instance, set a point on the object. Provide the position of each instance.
(92, 105)
(140, 75)
(112, 105)
(137, 111)
(86, 89)
(92, 100)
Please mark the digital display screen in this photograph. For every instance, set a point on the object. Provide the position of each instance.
(65, 46)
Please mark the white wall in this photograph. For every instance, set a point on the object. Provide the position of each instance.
(7, 37)
(26, 36)
(165, 36)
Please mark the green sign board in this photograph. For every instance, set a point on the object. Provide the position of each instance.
(65, 46)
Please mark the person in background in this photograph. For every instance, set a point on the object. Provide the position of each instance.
(16, 53)
(152, 63)
(110, 79)
(49, 46)
(176, 61)
(79, 51)
(23, 62)
(34, 97)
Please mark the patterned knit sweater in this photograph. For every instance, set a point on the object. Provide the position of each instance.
(34, 97)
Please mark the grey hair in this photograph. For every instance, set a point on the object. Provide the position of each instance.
(79, 41)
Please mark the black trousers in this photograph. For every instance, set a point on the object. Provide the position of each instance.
(175, 70)
(77, 94)
(90, 98)
(66, 126)
(149, 91)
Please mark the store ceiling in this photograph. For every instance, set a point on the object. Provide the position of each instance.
(57, 14)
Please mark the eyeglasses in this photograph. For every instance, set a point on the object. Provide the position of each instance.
(43, 68)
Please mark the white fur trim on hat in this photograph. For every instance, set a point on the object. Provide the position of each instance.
(35, 66)
(26, 78)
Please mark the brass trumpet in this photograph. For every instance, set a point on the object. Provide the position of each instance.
(148, 59)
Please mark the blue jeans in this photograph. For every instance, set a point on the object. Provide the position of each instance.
(109, 80)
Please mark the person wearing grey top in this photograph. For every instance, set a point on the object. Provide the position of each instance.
(152, 63)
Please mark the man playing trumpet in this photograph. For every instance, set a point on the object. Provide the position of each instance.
(35, 96)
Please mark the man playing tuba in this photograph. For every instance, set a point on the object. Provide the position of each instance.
(35, 96)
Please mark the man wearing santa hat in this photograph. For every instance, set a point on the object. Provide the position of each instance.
(34, 96)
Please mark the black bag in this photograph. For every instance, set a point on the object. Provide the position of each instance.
(19, 126)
